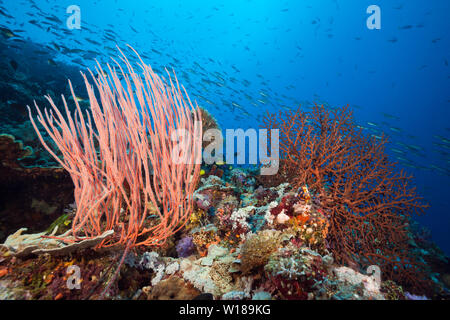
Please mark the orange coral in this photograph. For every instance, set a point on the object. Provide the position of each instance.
(121, 156)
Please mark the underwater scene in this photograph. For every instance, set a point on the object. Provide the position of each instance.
(224, 150)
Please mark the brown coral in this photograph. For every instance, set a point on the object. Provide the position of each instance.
(173, 288)
(256, 250)
(208, 122)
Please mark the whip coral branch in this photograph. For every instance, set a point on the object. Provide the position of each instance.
(120, 154)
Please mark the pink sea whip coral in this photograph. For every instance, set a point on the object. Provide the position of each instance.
(132, 169)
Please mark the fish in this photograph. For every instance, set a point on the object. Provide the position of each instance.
(395, 129)
(402, 159)
(414, 147)
(397, 151)
(93, 42)
(79, 99)
(41, 52)
(3, 13)
(54, 18)
(51, 62)
(56, 46)
(237, 105)
(390, 116)
(440, 169)
(13, 64)
(444, 140)
(442, 145)
(75, 51)
(7, 32)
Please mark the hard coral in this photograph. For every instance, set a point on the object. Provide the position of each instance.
(368, 203)
(172, 288)
(208, 123)
(46, 277)
(204, 237)
(185, 247)
(31, 197)
(295, 273)
(11, 150)
(256, 250)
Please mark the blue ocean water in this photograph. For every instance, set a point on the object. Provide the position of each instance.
(240, 59)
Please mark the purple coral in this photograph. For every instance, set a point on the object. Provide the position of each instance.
(185, 247)
(410, 296)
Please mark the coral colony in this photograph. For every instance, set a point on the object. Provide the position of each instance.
(150, 220)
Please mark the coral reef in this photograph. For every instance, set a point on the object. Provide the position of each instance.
(119, 221)
(244, 239)
(237, 249)
(368, 205)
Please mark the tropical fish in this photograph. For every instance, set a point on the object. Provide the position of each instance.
(13, 64)
(390, 116)
(7, 32)
(444, 140)
(398, 151)
(395, 129)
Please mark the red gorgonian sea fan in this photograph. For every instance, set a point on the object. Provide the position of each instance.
(132, 172)
(367, 201)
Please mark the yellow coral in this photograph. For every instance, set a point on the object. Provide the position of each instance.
(258, 247)
(196, 219)
(203, 239)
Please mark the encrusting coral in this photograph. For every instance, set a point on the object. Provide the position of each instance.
(21, 245)
(257, 249)
(172, 288)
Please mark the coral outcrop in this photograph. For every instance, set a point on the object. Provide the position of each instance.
(367, 202)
